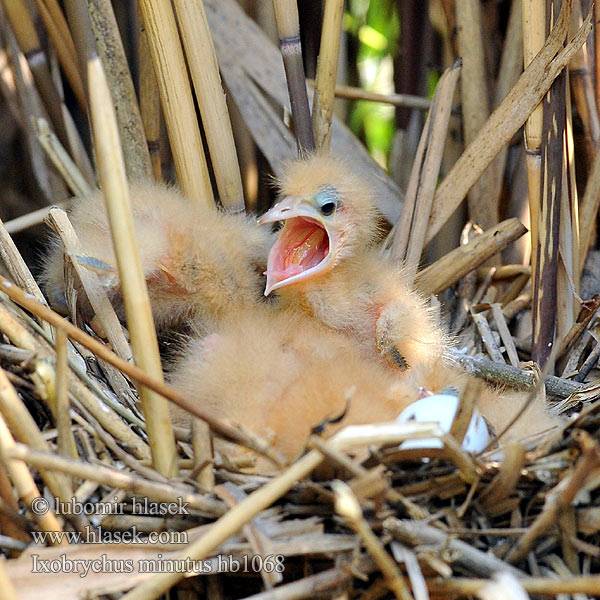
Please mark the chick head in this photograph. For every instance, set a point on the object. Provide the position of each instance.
(328, 215)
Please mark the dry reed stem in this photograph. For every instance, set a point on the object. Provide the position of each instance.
(231, 522)
(355, 93)
(103, 309)
(468, 557)
(450, 268)
(203, 455)
(400, 232)
(288, 27)
(428, 176)
(113, 183)
(582, 87)
(506, 119)
(234, 433)
(21, 477)
(176, 100)
(534, 36)
(474, 101)
(116, 478)
(589, 211)
(29, 43)
(62, 408)
(338, 458)
(587, 311)
(149, 100)
(202, 61)
(30, 104)
(507, 339)
(322, 111)
(504, 374)
(61, 159)
(111, 51)
(348, 507)
(560, 497)
(61, 39)
(314, 585)
(15, 265)
(547, 586)
(545, 300)
(260, 544)
(511, 66)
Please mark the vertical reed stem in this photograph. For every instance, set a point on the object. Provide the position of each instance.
(545, 277)
(288, 26)
(111, 174)
(327, 73)
(176, 97)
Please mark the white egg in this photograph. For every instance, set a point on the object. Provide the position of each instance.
(441, 409)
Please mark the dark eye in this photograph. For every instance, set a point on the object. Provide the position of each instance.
(328, 208)
(326, 200)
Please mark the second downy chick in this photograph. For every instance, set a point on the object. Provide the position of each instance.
(197, 261)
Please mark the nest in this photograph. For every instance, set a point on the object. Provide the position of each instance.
(85, 512)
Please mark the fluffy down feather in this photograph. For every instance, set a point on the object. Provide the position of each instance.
(197, 261)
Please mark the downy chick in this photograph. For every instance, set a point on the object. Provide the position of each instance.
(197, 261)
(325, 261)
(281, 374)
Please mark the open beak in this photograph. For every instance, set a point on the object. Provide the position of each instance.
(304, 246)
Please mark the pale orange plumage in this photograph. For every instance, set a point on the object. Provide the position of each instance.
(197, 261)
(280, 374)
(327, 263)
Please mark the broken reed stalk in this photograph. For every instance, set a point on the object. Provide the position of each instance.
(355, 93)
(428, 175)
(288, 27)
(545, 274)
(322, 111)
(202, 61)
(506, 120)
(92, 288)
(111, 51)
(61, 159)
(111, 174)
(474, 100)
(348, 507)
(61, 39)
(568, 267)
(229, 431)
(176, 99)
(116, 478)
(30, 45)
(534, 36)
(149, 99)
(447, 270)
(22, 478)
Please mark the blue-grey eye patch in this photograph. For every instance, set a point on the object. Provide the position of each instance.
(327, 200)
